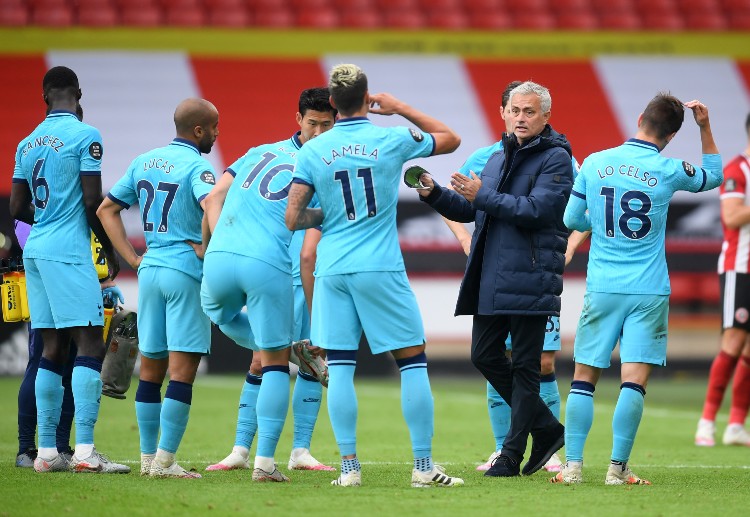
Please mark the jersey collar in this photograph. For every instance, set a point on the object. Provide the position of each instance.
(57, 113)
(642, 143)
(182, 142)
(352, 121)
(296, 141)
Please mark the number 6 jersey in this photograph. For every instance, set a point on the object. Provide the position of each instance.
(355, 169)
(169, 184)
(626, 191)
(50, 160)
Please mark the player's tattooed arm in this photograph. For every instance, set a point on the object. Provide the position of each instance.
(21, 206)
(298, 215)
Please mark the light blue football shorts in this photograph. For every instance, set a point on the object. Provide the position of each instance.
(552, 342)
(381, 303)
(638, 321)
(170, 318)
(231, 282)
(63, 295)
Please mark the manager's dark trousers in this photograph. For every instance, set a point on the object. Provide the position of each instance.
(516, 380)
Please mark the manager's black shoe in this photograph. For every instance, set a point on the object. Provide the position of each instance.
(503, 467)
(544, 444)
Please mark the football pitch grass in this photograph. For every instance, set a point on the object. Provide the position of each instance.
(687, 480)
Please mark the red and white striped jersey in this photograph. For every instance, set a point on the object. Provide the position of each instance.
(735, 251)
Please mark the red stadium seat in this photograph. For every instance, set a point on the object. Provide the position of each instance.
(484, 5)
(451, 19)
(233, 17)
(577, 20)
(361, 19)
(211, 5)
(736, 6)
(527, 6)
(93, 4)
(169, 5)
(607, 6)
(13, 16)
(52, 16)
(709, 289)
(498, 20)
(535, 21)
(562, 6)
(352, 5)
(319, 18)
(184, 16)
(309, 5)
(620, 21)
(274, 18)
(652, 7)
(739, 22)
(404, 19)
(392, 5)
(36, 4)
(257, 5)
(706, 21)
(428, 6)
(142, 16)
(665, 21)
(698, 6)
(129, 5)
(98, 16)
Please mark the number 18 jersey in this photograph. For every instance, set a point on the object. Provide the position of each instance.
(627, 191)
(169, 184)
(355, 169)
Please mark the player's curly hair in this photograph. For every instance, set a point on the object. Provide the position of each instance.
(348, 86)
(316, 99)
(663, 115)
(59, 78)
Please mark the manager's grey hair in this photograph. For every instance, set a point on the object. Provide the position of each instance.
(530, 87)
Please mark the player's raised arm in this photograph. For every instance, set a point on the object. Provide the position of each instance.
(711, 160)
(446, 141)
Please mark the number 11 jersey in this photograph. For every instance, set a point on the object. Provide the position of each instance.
(355, 169)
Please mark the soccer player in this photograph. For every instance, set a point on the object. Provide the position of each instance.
(622, 195)
(170, 184)
(499, 410)
(734, 356)
(57, 187)
(315, 116)
(360, 282)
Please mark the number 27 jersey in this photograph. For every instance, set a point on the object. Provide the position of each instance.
(169, 184)
(355, 169)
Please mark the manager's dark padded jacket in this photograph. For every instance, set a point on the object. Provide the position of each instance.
(518, 247)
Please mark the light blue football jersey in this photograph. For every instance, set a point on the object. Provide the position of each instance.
(626, 191)
(478, 159)
(355, 169)
(50, 160)
(252, 219)
(168, 183)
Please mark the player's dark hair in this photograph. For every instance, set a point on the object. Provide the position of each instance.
(348, 86)
(506, 92)
(59, 78)
(747, 124)
(316, 99)
(663, 115)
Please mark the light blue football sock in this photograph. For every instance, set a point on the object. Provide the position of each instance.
(579, 416)
(550, 393)
(247, 419)
(499, 412)
(627, 418)
(306, 399)
(175, 413)
(239, 330)
(49, 397)
(273, 404)
(417, 405)
(148, 414)
(86, 384)
(342, 399)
